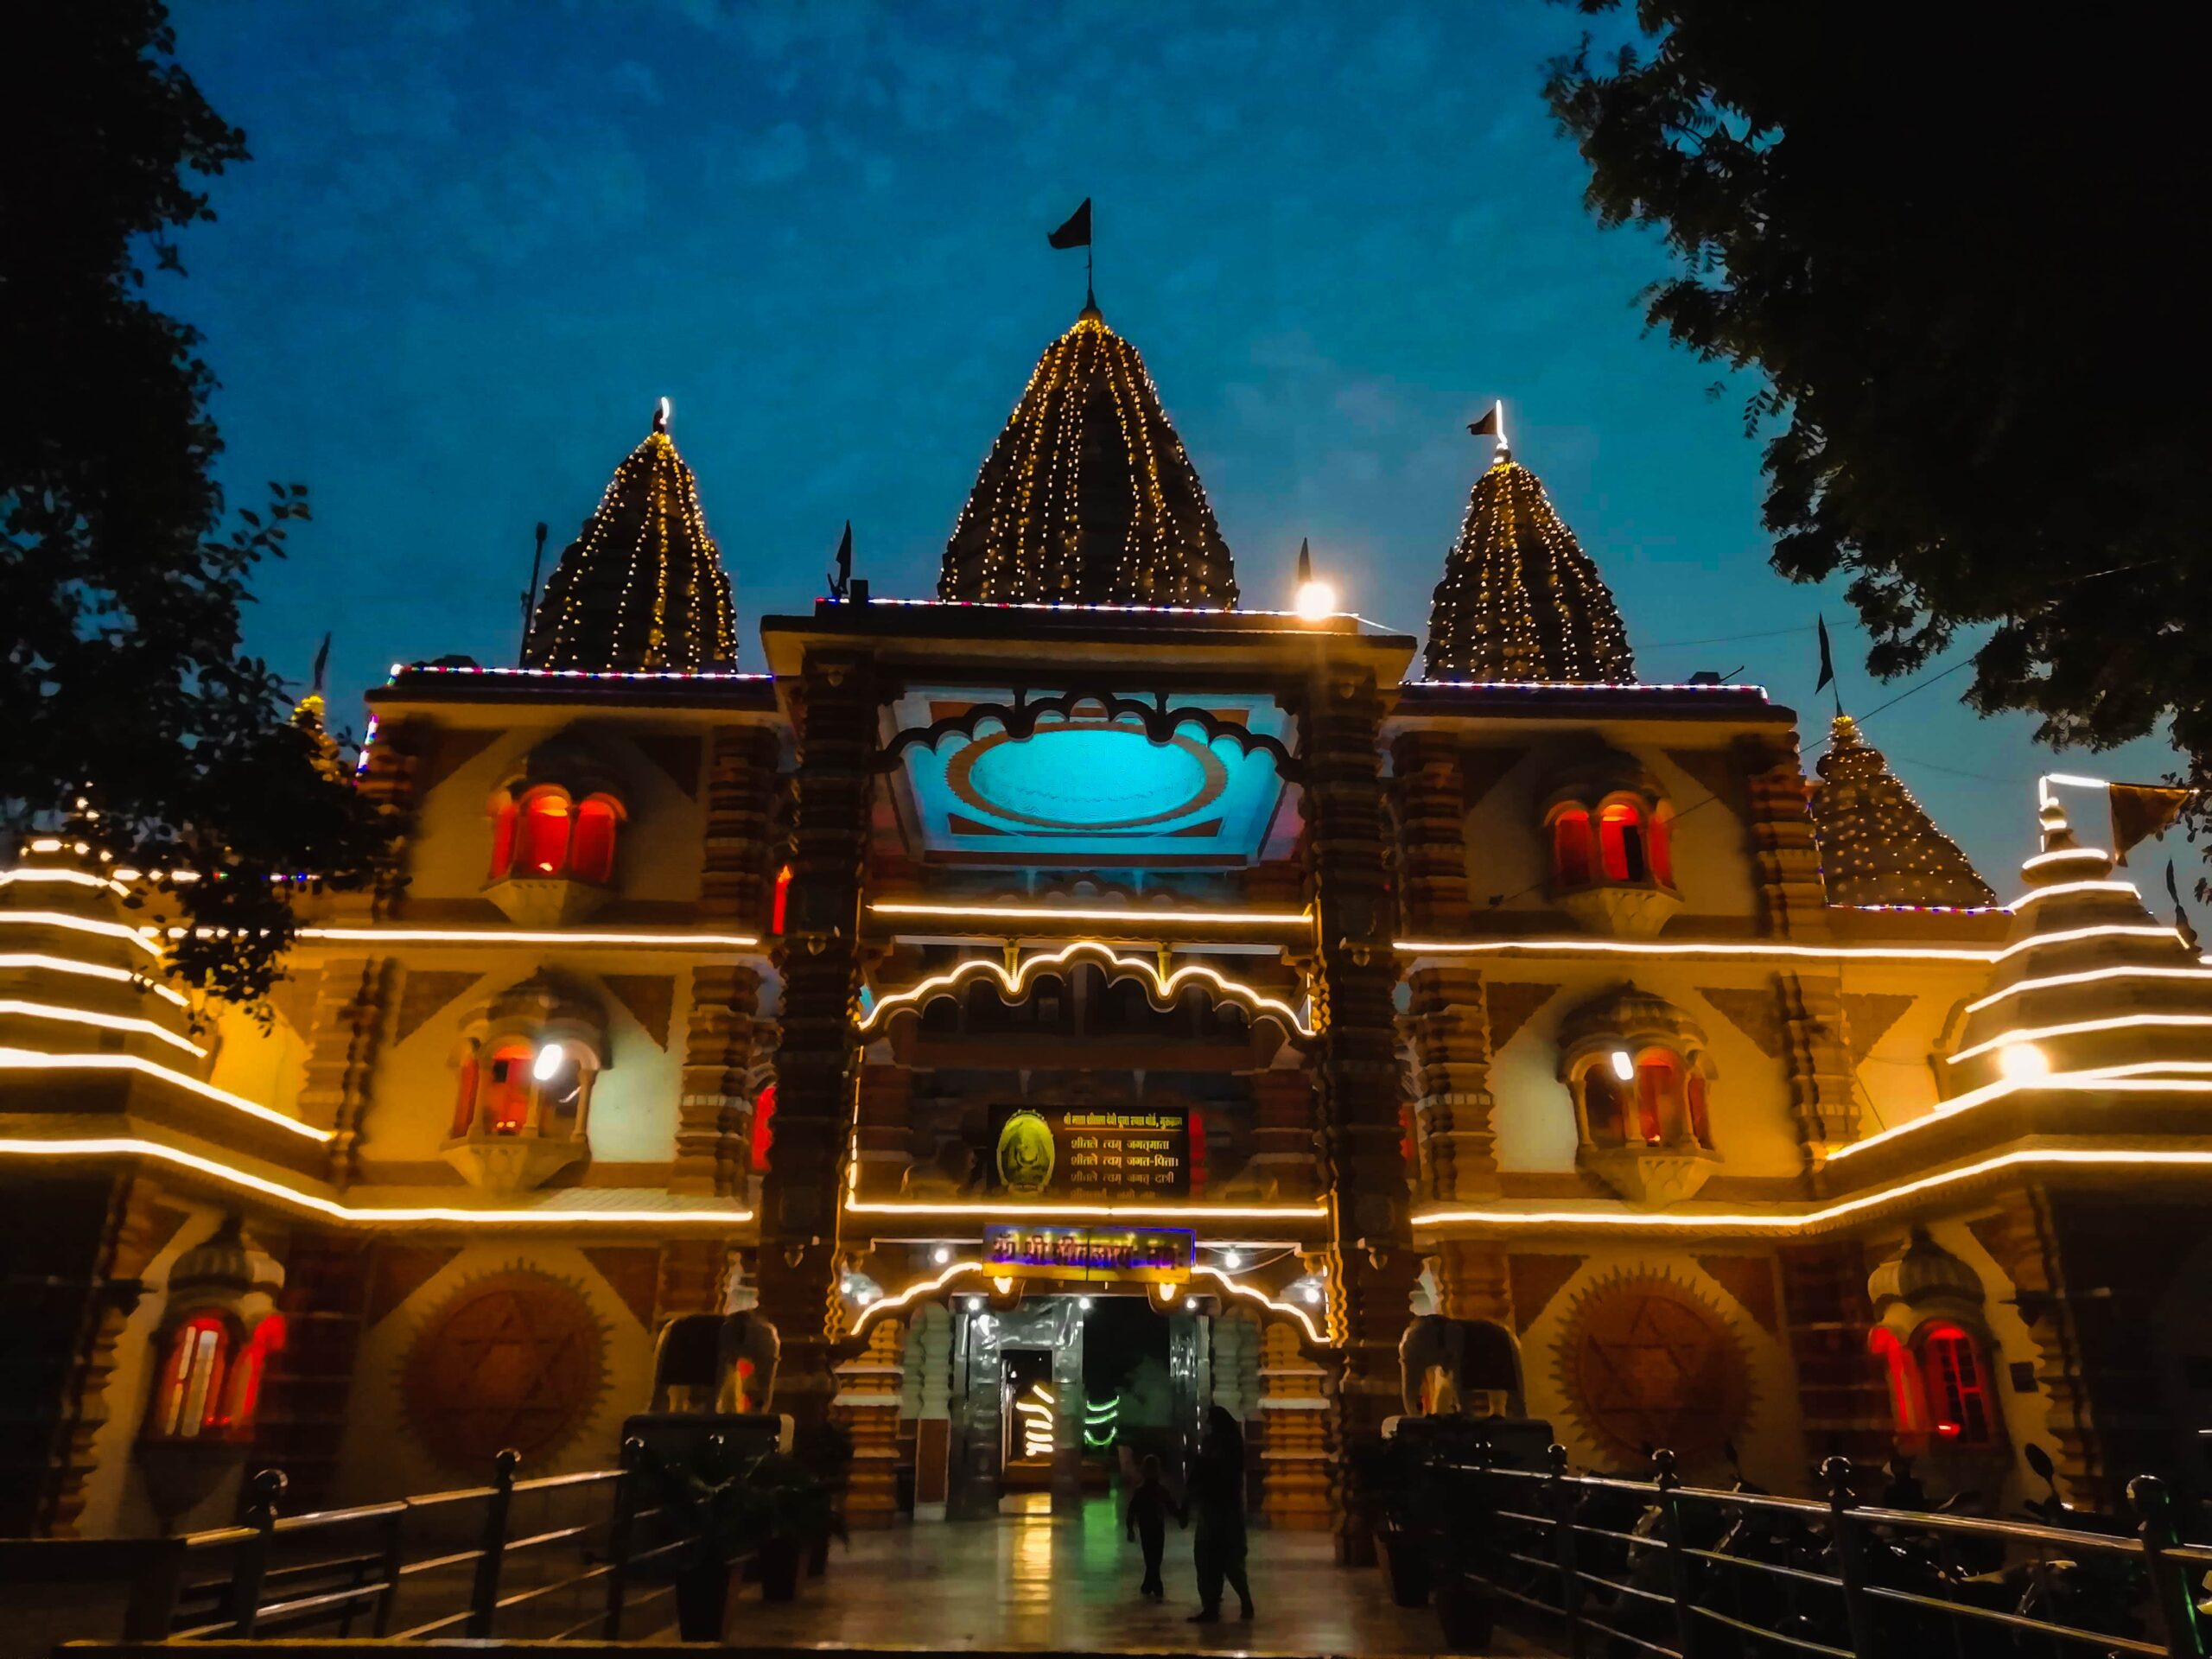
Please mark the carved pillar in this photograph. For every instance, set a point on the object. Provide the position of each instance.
(884, 1133)
(1371, 1266)
(1473, 1282)
(740, 789)
(1788, 860)
(1448, 1028)
(816, 1059)
(1841, 1388)
(867, 1406)
(351, 997)
(1432, 835)
(693, 1278)
(714, 1114)
(308, 1382)
(389, 780)
(1821, 1086)
(1282, 1134)
(1296, 1459)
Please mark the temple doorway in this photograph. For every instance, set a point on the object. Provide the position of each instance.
(1050, 1396)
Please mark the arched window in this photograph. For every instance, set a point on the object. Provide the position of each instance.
(1658, 1096)
(1700, 1126)
(190, 1397)
(1908, 1401)
(242, 1394)
(1601, 1108)
(591, 850)
(464, 1100)
(1570, 865)
(1958, 1393)
(1621, 844)
(1662, 846)
(764, 1127)
(503, 823)
(507, 1092)
(544, 848)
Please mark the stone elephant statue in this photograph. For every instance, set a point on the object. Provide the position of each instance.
(715, 1362)
(1454, 1367)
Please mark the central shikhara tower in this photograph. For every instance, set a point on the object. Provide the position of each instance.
(1518, 1037)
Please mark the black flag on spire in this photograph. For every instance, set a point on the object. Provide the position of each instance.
(321, 661)
(1075, 233)
(841, 579)
(1827, 666)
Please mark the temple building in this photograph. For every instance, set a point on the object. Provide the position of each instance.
(1502, 1035)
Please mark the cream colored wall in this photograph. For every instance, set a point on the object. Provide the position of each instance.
(633, 1102)
(114, 1494)
(267, 1066)
(1510, 855)
(1770, 1443)
(1899, 1074)
(381, 1458)
(1753, 1125)
(658, 851)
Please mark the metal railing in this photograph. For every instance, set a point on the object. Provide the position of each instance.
(1634, 1568)
(552, 1559)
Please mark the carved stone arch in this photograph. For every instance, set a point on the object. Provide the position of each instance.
(1160, 720)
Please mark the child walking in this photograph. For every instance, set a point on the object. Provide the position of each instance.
(1150, 1505)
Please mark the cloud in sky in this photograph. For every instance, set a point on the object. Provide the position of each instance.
(478, 240)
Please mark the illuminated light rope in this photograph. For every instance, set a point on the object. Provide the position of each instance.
(1252, 1293)
(1056, 913)
(2131, 1077)
(80, 925)
(1015, 985)
(1540, 686)
(2078, 1027)
(30, 1060)
(2075, 935)
(1804, 1220)
(2068, 855)
(131, 1146)
(920, 1288)
(525, 936)
(2067, 889)
(34, 960)
(123, 1022)
(1316, 1211)
(66, 878)
(411, 670)
(1713, 948)
(2088, 975)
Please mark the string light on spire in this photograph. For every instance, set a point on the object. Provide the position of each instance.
(1878, 844)
(642, 586)
(1520, 600)
(1088, 497)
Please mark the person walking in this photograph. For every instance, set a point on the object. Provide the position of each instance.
(1146, 1522)
(1217, 1501)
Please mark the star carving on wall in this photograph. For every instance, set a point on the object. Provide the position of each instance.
(1644, 1362)
(515, 1359)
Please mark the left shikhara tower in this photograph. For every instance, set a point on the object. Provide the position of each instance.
(642, 588)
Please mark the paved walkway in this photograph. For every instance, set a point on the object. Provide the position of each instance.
(1027, 1583)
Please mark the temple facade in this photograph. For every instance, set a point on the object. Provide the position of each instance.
(1520, 1040)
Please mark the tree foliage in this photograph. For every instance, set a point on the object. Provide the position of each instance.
(1958, 248)
(133, 716)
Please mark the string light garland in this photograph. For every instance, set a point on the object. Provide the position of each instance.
(1520, 600)
(1088, 495)
(642, 588)
(1878, 844)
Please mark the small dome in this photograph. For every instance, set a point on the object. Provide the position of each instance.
(1924, 1276)
(1626, 1016)
(226, 1264)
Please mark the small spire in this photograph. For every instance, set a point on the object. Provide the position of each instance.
(663, 415)
(1304, 562)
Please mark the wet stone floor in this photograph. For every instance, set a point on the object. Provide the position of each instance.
(1029, 1583)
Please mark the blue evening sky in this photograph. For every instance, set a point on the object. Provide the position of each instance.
(478, 239)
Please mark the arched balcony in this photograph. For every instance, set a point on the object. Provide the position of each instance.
(1641, 1078)
(1610, 832)
(523, 1080)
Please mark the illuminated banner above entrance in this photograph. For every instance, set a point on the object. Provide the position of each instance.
(1152, 1255)
(1089, 1150)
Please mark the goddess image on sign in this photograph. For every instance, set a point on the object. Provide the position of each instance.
(1025, 1152)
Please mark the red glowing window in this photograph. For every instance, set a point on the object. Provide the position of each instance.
(502, 839)
(780, 906)
(464, 1100)
(764, 1127)
(1663, 848)
(189, 1398)
(1658, 1092)
(591, 853)
(242, 1398)
(1908, 1402)
(1958, 1394)
(544, 848)
(508, 1092)
(1571, 848)
(1621, 844)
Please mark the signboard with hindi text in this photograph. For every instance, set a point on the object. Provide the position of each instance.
(1153, 1256)
(1086, 1150)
